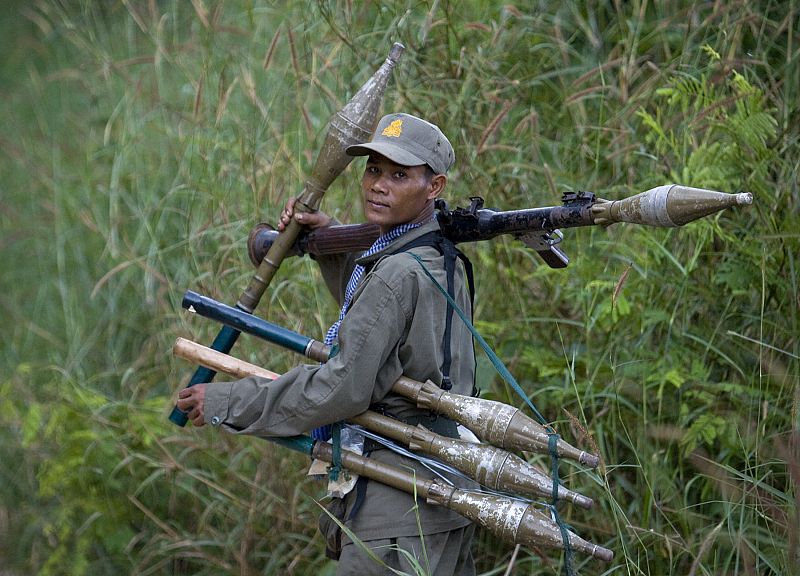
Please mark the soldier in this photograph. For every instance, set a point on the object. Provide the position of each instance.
(394, 322)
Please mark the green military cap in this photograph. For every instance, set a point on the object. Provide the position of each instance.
(409, 141)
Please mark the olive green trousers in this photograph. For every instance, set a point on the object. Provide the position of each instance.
(444, 554)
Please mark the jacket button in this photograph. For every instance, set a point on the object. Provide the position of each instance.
(215, 421)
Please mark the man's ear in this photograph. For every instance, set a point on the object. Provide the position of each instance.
(438, 183)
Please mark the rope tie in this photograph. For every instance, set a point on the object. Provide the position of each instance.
(336, 461)
(552, 441)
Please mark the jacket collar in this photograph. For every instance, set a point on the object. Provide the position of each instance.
(398, 244)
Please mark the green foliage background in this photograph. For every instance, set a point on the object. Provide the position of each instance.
(142, 139)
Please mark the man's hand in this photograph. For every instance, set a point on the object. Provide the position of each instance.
(310, 219)
(192, 401)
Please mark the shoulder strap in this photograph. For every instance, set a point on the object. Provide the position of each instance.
(448, 249)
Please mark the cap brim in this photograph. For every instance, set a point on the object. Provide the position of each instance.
(394, 153)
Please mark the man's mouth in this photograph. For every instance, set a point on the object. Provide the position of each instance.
(376, 204)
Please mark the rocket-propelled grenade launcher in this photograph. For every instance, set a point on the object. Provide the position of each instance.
(539, 228)
(512, 519)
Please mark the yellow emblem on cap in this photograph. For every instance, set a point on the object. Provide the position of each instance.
(393, 129)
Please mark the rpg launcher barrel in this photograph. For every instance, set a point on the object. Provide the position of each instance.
(493, 422)
(488, 465)
(539, 228)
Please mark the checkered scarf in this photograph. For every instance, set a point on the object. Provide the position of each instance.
(358, 272)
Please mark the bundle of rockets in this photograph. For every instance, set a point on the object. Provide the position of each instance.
(499, 427)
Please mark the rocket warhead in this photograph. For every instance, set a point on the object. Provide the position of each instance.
(666, 206)
(492, 466)
(511, 519)
(491, 421)
(353, 124)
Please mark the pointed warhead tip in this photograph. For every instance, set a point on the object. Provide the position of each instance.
(744, 198)
(396, 51)
(590, 460)
(582, 501)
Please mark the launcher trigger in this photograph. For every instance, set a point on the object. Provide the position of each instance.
(545, 243)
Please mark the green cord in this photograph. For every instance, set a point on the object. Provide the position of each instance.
(509, 379)
(336, 461)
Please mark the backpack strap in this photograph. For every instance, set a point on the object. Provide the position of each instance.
(448, 249)
(438, 424)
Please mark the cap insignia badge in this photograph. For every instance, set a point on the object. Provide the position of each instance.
(394, 129)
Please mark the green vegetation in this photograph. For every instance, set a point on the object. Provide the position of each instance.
(142, 140)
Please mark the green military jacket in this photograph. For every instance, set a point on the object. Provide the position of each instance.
(395, 326)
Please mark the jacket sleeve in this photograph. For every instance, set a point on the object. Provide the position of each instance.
(313, 395)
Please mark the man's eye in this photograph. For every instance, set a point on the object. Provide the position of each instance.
(399, 174)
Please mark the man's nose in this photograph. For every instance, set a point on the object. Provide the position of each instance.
(379, 184)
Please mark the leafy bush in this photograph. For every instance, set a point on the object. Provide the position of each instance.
(143, 140)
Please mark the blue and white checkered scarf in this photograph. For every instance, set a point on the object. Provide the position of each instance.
(358, 272)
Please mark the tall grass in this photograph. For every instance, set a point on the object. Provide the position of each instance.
(142, 140)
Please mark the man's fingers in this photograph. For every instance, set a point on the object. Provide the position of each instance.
(313, 219)
(196, 416)
(187, 399)
(286, 214)
(190, 401)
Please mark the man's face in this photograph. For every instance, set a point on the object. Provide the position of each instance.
(395, 194)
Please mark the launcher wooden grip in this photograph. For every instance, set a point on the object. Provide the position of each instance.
(336, 239)
(343, 238)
